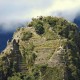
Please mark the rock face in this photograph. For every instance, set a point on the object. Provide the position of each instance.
(48, 49)
(57, 58)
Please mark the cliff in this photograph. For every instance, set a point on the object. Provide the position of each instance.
(48, 48)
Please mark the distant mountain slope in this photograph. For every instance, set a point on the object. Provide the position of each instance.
(3, 38)
(47, 49)
(77, 20)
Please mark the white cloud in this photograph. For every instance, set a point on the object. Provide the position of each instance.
(64, 8)
(16, 10)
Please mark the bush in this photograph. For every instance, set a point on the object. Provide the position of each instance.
(18, 29)
(39, 29)
(14, 78)
(26, 36)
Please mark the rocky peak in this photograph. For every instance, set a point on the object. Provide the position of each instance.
(48, 49)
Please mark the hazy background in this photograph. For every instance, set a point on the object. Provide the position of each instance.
(14, 13)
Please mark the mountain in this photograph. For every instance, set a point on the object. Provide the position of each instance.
(77, 20)
(4, 37)
(47, 49)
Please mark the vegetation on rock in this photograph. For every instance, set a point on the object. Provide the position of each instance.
(48, 49)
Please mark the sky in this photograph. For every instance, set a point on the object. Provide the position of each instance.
(15, 12)
(22, 10)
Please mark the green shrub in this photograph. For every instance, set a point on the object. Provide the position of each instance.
(26, 36)
(18, 29)
(39, 29)
(14, 78)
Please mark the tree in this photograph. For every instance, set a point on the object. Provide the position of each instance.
(39, 29)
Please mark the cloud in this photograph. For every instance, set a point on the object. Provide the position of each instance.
(64, 8)
(19, 10)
